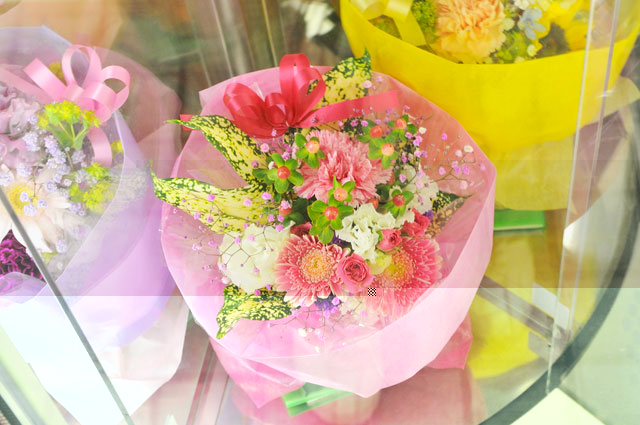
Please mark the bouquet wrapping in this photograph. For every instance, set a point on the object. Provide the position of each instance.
(98, 235)
(445, 396)
(509, 106)
(272, 334)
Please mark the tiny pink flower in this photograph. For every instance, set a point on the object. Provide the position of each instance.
(247, 202)
(264, 148)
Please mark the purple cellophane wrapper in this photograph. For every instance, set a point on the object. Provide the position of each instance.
(117, 283)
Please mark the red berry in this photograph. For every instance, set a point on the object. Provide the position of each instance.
(376, 131)
(398, 200)
(373, 201)
(401, 123)
(388, 149)
(340, 194)
(331, 213)
(312, 145)
(283, 172)
(284, 211)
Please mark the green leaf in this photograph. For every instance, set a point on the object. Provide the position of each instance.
(374, 153)
(281, 185)
(296, 217)
(386, 161)
(277, 158)
(312, 161)
(291, 164)
(336, 224)
(302, 153)
(322, 221)
(326, 236)
(269, 305)
(345, 80)
(364, 138)
(192, 196)
(260, 173)
(272, 174)
(300, 140)
(296, 178)
(318, 206)
(345, 210)
(235, 145)
(349, 186)
(442, 200)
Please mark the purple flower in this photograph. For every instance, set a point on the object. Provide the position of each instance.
(15, 111)
(14, 258)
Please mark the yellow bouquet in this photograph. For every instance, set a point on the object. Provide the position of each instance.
(511, 71)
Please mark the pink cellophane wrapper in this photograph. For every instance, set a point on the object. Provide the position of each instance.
(431, 396)
(269, 361)
(117, 283)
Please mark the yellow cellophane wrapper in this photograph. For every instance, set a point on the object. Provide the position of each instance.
(90, 22)
(507, 108)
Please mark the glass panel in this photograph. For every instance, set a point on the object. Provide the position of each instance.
(109, 325)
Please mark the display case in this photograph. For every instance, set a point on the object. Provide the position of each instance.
(94, 329)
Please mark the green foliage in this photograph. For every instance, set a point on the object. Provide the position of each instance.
(387, 25)
(326, 218)
(442, 200)
(426, 12)
(554, 43)
(269, 305)
(68, 122)
(392, 207)
(515, 46)
(220, 209)
(345, 80)
(311, 158)
(238, 148)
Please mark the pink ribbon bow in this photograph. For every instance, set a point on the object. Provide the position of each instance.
(92, 94)
(294, 106)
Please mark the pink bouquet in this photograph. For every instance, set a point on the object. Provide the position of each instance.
(338, 217)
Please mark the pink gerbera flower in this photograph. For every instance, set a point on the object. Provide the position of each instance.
(306, 269)
(347, 160)
(414, 268)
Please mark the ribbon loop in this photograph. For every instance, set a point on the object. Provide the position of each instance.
(301, 89)
(92, 94)
(399, 11)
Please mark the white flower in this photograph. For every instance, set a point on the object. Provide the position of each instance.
(361, 230)
(249, 264)
(44, 214)
(424, 192)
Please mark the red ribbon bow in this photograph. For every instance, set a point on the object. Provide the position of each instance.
(294, 106)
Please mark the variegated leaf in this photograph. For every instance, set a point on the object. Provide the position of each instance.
(345, 80)
(269, 305)
(236, 146)
(226, 212)
(442, 200)
(443, 215)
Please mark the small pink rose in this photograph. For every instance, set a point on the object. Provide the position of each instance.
(390, 239)
(354, 273)
(418, 227)
(301, 229)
